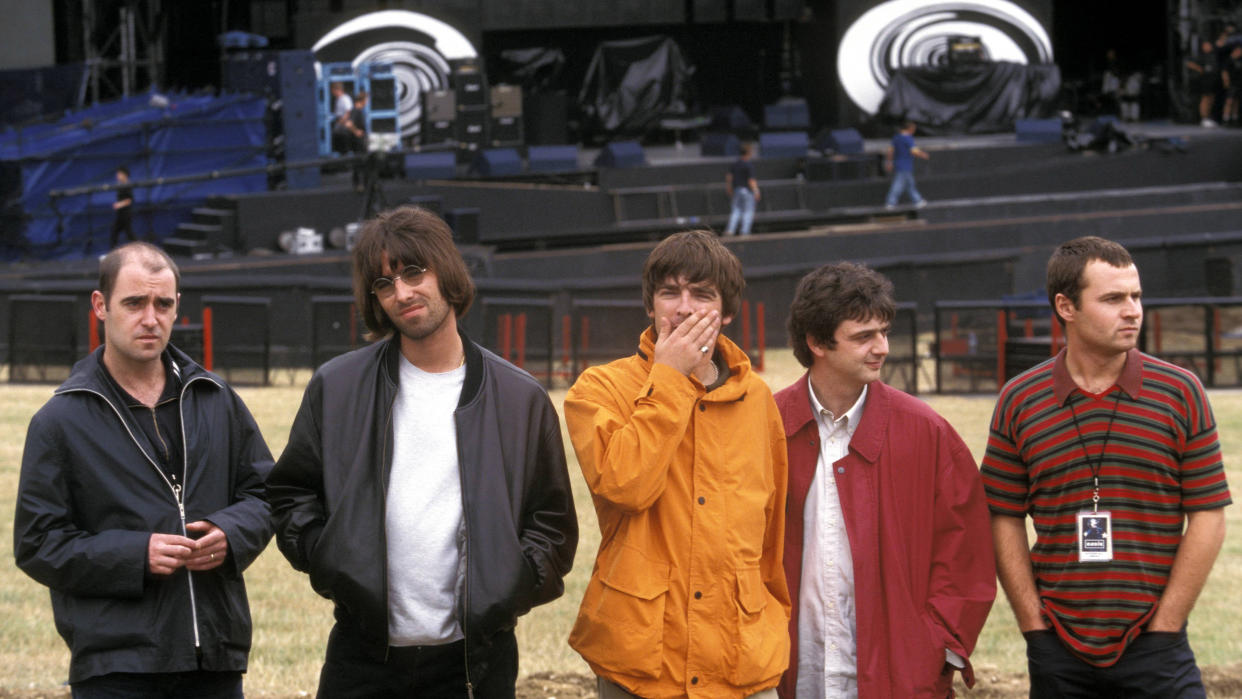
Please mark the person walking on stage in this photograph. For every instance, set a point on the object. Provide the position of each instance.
(743, 191)
(900, 162)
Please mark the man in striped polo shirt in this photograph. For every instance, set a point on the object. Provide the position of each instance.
(1110, 451)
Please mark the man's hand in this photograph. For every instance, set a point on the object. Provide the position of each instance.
(681, 347)
(167, 552)
(210, 549)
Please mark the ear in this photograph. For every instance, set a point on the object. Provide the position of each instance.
(98, 305)
(1065, 307)
(726, 320)
(817, 348)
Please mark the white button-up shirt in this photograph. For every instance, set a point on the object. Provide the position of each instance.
(827, 636)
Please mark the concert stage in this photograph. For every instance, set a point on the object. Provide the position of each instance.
(559, 248)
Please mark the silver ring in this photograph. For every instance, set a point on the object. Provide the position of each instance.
(704, 349)
(213, 556)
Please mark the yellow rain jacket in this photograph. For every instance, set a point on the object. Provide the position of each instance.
(687, 596)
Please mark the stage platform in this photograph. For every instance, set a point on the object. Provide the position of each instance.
(554, 246)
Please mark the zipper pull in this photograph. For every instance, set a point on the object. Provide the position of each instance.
(469, 690)
(180, 505)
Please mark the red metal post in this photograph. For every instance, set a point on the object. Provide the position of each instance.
(92, 329)
(209, 352)
(763, 342)
(1002, 336)
(746, 326)
(519, 339)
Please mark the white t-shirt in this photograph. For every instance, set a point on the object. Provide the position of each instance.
(424, 522)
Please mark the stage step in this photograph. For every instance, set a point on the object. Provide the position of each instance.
(210, 215)
(182, 247)
(206, 232)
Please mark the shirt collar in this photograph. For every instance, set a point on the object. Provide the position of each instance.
(1130, 380)
(825, 418)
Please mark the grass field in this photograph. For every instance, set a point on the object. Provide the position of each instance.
(291, 623)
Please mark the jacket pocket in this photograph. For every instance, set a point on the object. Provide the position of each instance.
(762, 643)
(620, 625)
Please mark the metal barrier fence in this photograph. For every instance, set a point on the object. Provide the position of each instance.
(979, 345)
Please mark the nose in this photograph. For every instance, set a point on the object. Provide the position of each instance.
(880, 346)
(1134, 308)
(684, 305)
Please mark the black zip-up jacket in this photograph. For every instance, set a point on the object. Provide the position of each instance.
(328, 491)
(90, 496)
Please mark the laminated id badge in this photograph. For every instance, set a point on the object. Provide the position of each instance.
(1095, 536)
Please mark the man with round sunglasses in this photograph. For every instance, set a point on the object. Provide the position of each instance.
(424, 486)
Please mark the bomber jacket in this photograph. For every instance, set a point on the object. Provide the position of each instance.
(919, 534)
(328, 491)
(687, 596)
(89, 498)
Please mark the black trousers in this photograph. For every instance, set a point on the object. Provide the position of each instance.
(427, 672)
(124, 221)
(198, 684)
(1156, 664)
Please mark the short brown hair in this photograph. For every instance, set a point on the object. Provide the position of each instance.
(832, 295)
(699, 257)
(1068, 261)
(153, 258)
(408, 235)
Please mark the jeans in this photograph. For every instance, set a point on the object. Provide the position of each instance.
(743, 210)
(903, 181)
(1159, 665)
(198, 684)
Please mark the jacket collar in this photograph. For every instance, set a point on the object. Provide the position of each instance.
(390, 355)
(868, 439)
(734, 387)
(88, 373)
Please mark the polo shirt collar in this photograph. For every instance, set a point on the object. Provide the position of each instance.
(1130, 380)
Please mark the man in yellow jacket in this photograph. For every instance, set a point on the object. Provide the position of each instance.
(683, 449)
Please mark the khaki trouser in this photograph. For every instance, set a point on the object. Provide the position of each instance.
(610, 690)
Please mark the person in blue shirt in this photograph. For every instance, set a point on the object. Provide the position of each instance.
(900, 162)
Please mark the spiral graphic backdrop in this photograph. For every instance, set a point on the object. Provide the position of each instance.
(909, 33)
(419, 49)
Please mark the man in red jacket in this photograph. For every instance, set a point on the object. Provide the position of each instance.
(886, 554)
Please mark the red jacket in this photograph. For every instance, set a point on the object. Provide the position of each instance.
(919, 532)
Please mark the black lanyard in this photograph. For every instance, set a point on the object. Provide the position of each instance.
(1099, 463)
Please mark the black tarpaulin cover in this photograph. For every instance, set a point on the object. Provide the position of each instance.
(536, 69)
(631, 84)
(971, 98)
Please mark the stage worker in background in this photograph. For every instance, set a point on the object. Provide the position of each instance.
(682, 448)
(424, 486)
(886, 553)
(140, 502)
(1114, 454)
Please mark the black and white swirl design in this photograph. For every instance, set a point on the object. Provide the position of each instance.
(905, 33)
(419, 49)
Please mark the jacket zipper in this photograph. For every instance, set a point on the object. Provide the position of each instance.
(465, 555)
(384, 506)
(173, 488)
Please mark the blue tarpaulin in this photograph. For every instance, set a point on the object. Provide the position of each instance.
(157, 138)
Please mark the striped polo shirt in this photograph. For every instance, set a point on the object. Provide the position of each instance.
(1161, 459)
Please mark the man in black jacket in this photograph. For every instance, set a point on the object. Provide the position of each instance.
(140, 502)
(424, 486)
